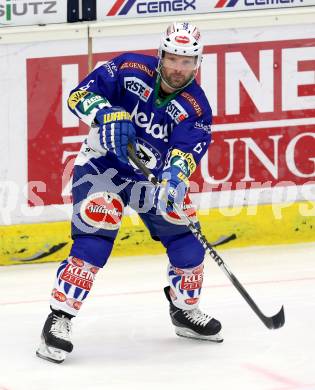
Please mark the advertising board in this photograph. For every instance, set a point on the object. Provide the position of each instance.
(29, 12)
(149, 8)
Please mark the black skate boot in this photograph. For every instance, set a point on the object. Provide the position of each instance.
(55, 339)
(193, 323)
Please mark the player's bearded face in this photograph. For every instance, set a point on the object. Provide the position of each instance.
(178, 70)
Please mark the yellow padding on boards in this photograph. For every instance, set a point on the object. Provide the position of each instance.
(264, 225)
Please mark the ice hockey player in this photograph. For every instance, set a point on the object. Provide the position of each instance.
(155, 104)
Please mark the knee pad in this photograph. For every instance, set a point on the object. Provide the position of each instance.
(185, 286)
(92, 249)
(184, 250)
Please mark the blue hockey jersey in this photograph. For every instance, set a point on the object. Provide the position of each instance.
(180, 122)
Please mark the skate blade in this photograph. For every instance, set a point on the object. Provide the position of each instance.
(51, 354)
(188, 333)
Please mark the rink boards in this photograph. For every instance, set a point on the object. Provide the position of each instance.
(43, 242)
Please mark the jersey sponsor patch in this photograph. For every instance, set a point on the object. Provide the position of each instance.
(176, 111)
(138, 87)
(156, 130)
(91, 102)
(76, 97)
(193, 102)
(102, 210)
(138, 66)
(201, 125)
(187, 158)
(182, 165)
(78, 276)
(111, 68)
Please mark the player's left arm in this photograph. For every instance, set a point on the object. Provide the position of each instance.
(193, 136)
(189, 142)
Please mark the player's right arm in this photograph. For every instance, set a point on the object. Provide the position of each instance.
(96, 101)
(101, 88)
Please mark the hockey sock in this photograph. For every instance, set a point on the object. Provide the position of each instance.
(185, 286)
(73, 283)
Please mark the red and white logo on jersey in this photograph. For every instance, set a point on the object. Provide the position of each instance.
(176, 111)
(103, 210)
(188, 208)
(181, 117)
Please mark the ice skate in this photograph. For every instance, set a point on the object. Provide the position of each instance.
(55, 338)
(194, 323)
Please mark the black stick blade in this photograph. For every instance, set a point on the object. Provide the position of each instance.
(276, 321)
(223, 240)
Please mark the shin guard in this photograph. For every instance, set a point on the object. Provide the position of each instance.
(73, 283)
(185, 286)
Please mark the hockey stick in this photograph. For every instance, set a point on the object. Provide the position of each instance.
(274, 322)
(223, 240)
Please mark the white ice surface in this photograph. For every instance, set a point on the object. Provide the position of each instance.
(123, 337)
